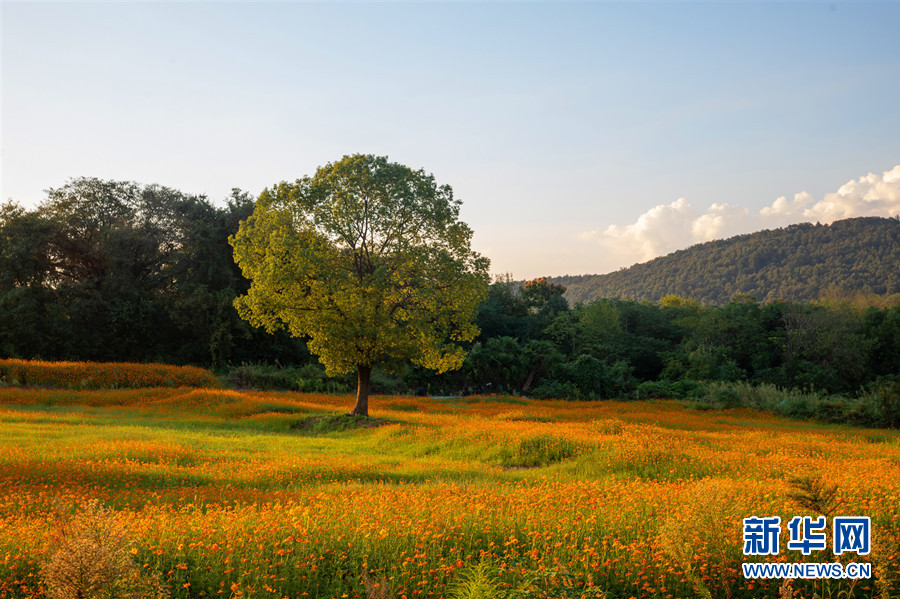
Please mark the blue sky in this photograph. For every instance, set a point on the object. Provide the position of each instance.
(580, 137)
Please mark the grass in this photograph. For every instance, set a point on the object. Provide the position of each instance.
(253, 494)
(337, 423)
(878, 405)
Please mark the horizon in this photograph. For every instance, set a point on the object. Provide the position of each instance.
(579, 137)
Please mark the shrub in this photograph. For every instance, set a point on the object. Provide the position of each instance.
(655, 390)
(557, 390)
(595, 378)
(793, 403)
(586, 377)
(885, 395)
(815, 495)
(386, 384)
(666, 389)
(310, 378)
(89, 557)
(263, 377)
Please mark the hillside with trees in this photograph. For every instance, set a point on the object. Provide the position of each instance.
(801, 262)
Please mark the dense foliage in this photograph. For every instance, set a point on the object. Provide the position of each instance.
(369, 261)
(115, 271)
(800, 262)
(674, 347)
(112, 270)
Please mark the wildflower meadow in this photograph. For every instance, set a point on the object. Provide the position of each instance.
(211, 492)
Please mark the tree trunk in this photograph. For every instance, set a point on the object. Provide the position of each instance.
(527, 385)
(362, 391)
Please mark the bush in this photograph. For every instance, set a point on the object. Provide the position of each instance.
(310, 378)
(883, 399)
(810, 375)
(793, 403)
(586, 377)
(90, 558)
(387, 384)
(557, 390)
(263, 377)
(666, 389)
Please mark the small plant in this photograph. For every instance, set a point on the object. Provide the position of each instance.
(815, 495)
(542, 450)
(680, 546)
(89, 558)
(476, 582)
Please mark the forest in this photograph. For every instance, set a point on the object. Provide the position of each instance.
(799, 262)
(116, 271)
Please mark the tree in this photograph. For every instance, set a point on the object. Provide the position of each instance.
(542, 294)
(368, 259)
(116, 270)
(504, 312)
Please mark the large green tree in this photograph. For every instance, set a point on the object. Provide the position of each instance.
(369, 260)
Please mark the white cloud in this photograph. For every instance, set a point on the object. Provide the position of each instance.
(872, 195)
(657, 229)
(782, 210)
(669, 227)
(721, 220)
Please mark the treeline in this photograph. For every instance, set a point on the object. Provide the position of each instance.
(835, 359)
(114, 271)
(801, 262)
(532, 341)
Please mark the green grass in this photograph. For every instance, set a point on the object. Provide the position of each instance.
(338, 423)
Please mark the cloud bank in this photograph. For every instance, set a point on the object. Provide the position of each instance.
(669, 227)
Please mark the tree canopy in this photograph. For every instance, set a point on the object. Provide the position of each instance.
(115, 270)
(369, 260)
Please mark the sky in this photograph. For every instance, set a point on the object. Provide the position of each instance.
(580, 137)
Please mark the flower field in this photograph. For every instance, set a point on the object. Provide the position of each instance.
(94, 375)
(236, 494)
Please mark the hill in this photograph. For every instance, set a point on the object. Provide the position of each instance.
(800, 262)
